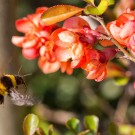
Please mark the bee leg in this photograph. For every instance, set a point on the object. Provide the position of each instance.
(1, 99)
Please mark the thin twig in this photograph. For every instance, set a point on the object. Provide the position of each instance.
(122, 106)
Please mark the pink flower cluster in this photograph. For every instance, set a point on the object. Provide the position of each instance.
(123, 29)
(65, 48)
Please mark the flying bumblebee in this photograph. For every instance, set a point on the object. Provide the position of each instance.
(9, 86)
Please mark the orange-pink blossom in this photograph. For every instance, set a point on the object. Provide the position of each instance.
(123, 29)
(35, 34)
(66, 48)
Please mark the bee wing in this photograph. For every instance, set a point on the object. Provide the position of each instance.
(20, 89)
(20, 99)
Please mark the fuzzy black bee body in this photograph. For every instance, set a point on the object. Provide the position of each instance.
(9, 86)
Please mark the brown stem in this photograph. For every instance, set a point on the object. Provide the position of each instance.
(100, 20)
(128, 56)
(120, 113)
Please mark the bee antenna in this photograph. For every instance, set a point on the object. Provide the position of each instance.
(23, 75)
(27, 74)
(19, 70)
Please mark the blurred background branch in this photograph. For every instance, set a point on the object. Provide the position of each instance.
(8, 117)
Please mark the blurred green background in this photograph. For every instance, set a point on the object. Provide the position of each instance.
(60, 96)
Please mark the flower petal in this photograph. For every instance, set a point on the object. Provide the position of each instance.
(115, 31)
(66, 67)
(128, 29)
(48, 67)
(62, 54)
(41, 10)
(101, 77)
(77, 26)
(24, 25)
(29, 43)
(131, 43)
(17, 40)
(77, 50)
(30, 53)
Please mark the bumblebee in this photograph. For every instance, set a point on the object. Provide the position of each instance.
(9, 86)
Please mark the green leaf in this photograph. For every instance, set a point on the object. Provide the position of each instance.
(44, 126)
(30, 124)
(113, 129)
(91, 123)
(121, 81)
(90, 1)
(126, 129)
(111, 2)
(50, 130)
(73, 125)
(133, 131)
(40, 131)
(59, 13)
(99, 10)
